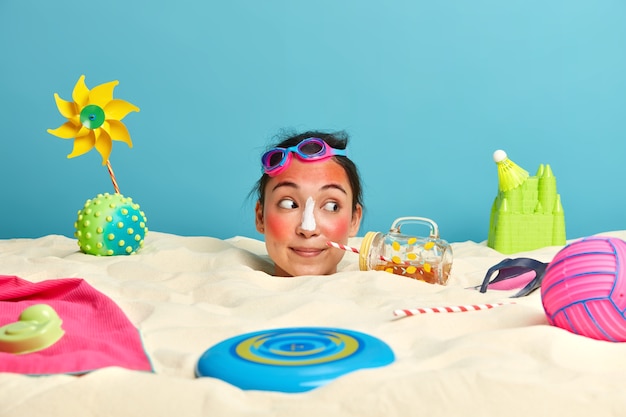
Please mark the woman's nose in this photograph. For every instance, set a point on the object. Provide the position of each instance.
(307, 233)
(308, 226)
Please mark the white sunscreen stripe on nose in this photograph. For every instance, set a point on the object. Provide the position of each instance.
(308, 219)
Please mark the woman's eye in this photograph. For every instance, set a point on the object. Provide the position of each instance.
(331, 206)
(287, 204)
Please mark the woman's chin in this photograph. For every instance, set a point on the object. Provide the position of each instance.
(300, 270)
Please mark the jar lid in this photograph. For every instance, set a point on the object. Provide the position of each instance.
(364, 251)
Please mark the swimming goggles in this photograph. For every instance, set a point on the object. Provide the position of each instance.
(276, 160)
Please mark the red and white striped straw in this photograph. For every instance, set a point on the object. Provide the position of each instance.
(342, 247)
(355, 250)
(446, 309)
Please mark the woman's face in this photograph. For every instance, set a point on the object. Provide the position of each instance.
(305, 206)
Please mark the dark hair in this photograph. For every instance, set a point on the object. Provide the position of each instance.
(337, 140)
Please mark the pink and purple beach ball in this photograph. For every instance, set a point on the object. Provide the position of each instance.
(584, 288)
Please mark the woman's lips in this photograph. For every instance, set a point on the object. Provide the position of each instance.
(308, 252)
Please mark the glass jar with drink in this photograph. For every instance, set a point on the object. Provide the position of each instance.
(427, 259)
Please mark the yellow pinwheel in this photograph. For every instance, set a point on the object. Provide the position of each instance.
(93, 119)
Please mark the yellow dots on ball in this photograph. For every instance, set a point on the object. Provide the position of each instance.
(134, 218)
(97, 214)
(124, 212)
(412, 241)
(120, 225)
(110, 252)
(411, 270)
(429, 245)
(137, 238)
(427, 267)
(142, 225)
(129, 249)
(88, 235)
(109, 218)
(111, 236)
(86, 223)
(99, 230)
(99, 245)
(395, 245)
(396, 260)
(121, 243)
(130, 231)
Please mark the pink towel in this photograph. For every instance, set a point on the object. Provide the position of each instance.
(97, 333)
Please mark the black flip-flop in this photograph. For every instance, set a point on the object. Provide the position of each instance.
(524, 274)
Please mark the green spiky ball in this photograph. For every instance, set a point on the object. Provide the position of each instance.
(110, 224)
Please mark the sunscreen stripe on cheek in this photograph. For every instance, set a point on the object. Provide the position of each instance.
(308, 219)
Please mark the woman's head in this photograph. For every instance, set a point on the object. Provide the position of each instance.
(308, 195)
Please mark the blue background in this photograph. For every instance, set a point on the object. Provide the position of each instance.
(428, 90)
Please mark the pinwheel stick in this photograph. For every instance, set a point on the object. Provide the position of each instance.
(112, 175)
